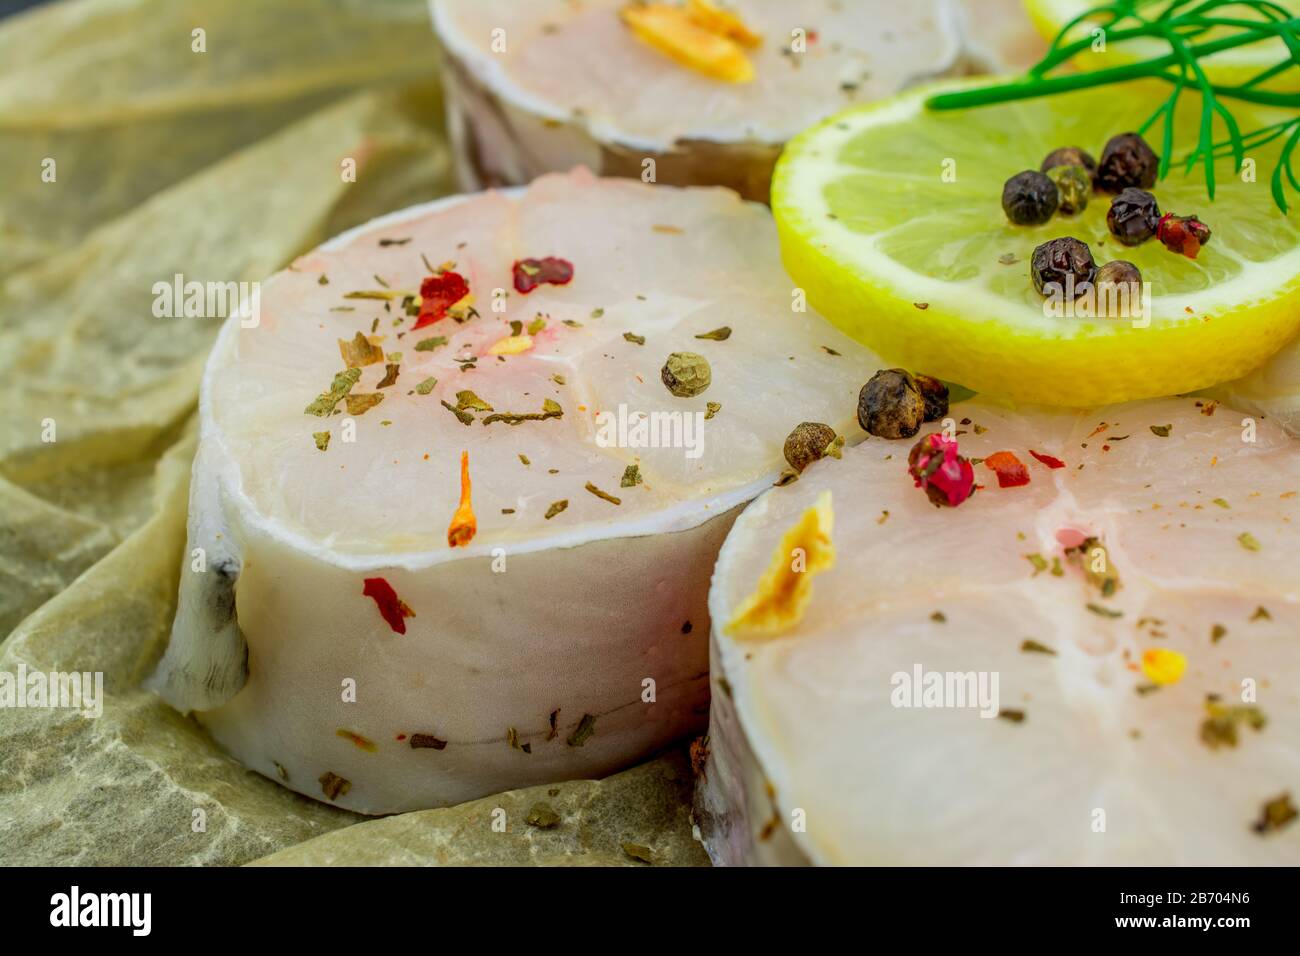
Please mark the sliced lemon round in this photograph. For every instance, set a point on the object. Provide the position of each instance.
(1232, 65)
(890, 219)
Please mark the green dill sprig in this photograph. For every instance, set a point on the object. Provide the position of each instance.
(1184, 26)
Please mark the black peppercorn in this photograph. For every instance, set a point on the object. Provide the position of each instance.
(1119, 272)
(1063, 264)
(1029, 198)
(1073, 186)
(1133, 216)
(1119, 288)
(891, 405)
(1127, 161)
(1071, 156)
(935, 395)
(807, 443)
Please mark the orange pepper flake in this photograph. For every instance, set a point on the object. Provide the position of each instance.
(673, 32)
(723, 22)
(463, 523)
(785, 589)
(1163, 666)
(511, 345)
(1011, 471)
(367, 745)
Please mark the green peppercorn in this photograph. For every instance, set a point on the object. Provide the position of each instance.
(807, 443)
(1029, 198)
(935, 395)
(686, 374)
(1063, 264)
(1127, 161)
(1074, 187)
(891, 405)
(1133, 216)
(1071, 156)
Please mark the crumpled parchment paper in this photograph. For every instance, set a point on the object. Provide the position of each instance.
(220, 165)
(636, 818)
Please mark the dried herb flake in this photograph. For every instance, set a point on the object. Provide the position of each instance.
(717, 335)
(604, 495)
(550, 409)
(360, 404)
(467, 400)
(582, 733)
(1103, 611)
(339, 388)
(464, 417)
(542, 816)
(390, 375)
(334, 786)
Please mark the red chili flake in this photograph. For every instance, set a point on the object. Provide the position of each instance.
(947, 477)
(393, 608)
(530, 273)
(1048, 460)
(1185, 234)
(439, 293)
(1011, 471)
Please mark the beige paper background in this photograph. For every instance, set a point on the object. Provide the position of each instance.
(220, 166)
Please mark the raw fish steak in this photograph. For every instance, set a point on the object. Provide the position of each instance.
(540, 86)
(1093, 666)
(450, 528)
